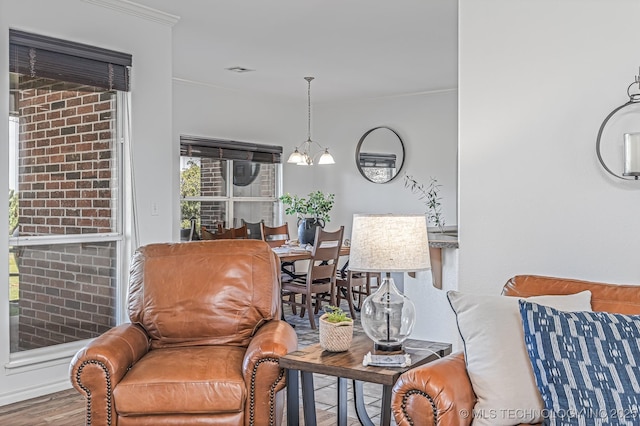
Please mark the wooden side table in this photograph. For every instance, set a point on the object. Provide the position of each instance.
(348, 365)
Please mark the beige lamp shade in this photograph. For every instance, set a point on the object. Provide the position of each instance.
(389, 243)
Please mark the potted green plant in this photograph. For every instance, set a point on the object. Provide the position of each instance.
(336, 330)
(311, 212)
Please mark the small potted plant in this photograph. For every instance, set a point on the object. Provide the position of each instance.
(311, 212)
(336, 330)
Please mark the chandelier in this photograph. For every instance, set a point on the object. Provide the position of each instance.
(302, 155)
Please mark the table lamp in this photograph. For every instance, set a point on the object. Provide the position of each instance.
(388, 243)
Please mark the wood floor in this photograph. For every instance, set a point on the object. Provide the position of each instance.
(61, 408)
(67, 408)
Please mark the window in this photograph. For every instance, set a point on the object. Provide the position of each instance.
(378, 167)
(227, 183)
(65, 231)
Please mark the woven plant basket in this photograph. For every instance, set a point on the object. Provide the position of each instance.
(335, 336)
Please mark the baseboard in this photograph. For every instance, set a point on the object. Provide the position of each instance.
(34, 392)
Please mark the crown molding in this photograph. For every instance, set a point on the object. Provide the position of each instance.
(137, 10)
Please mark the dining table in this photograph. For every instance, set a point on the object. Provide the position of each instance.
(289, 254)
(293, 253)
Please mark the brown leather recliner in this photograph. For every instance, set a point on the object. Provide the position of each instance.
(203, 344)
(440, 393)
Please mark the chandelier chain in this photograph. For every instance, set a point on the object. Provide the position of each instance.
(303, 155)
(308, 107)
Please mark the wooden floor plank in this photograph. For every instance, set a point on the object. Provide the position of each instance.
(67, 408)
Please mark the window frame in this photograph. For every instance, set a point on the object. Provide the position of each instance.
(202, 146)
(59, 353)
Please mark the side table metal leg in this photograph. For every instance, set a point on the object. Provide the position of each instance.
(293, 405)
(385, 413)
(308, 399)
(358, 398)
(342, 401)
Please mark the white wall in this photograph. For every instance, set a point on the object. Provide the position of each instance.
(435, 319)
(537, 78)
(150, 44)
(427, 124)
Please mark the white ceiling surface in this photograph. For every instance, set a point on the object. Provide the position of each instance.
(356, 49)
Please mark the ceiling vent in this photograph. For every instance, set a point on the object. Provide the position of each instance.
(239, 70)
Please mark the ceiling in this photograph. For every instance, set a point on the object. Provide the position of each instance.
(356, 49)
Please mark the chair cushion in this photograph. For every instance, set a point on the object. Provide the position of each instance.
(585, 364)
(497, 361)
(197, 379)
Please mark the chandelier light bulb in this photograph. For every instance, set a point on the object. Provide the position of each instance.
(326, 158)
(295, 157)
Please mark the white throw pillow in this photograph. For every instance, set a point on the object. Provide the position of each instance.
(497, 360)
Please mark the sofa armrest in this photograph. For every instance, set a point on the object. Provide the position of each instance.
(98, 367)
(261, 368)
(438, 393)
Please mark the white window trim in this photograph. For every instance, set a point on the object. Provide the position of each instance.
(34, 359)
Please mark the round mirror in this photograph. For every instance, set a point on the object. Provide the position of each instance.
(380, 155)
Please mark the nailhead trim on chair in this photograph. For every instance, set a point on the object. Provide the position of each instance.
(421, 393)
(272, 392)
(88, 392)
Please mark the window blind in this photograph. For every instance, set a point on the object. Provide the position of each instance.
(47, 57)
(371, 159)
(229, 150)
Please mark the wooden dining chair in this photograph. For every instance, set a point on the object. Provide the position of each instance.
(320, 278)
(205, 234)
(224, 234)
(253, 229)
(354, 287)
(275, 236)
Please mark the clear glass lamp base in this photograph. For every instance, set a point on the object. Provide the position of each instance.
(388, 317)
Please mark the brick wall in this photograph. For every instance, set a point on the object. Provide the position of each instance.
(268, 188)
(66, 186)
(66, 293)
(212, 183)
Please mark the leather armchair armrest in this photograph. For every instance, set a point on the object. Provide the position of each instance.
(98, 367)
(261, 368)
(438, 393)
